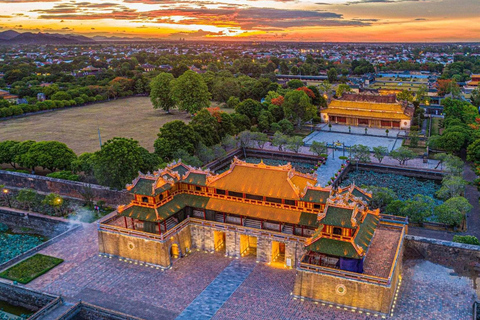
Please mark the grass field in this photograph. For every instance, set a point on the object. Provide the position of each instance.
(78, 127)
(31, 268)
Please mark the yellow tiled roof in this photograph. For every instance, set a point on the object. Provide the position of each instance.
(366, 109)
(259, 179)
(254, 211)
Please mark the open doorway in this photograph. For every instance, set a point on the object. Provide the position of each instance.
(219, 241)
(278, 252)
(248, 245)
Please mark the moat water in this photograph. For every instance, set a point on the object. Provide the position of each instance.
(11, 312)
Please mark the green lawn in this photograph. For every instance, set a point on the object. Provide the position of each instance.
(31, 268)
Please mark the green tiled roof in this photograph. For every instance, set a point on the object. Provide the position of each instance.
(334, 247)
(308, 219)
(143, 187)
(170, 208)
(339, 217)
(165, 187)
(316, 196)
(357, 193)
(180, 168)
(365, 234)
(140, 213)
(196, 178)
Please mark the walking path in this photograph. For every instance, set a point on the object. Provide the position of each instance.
(328, 170)
(218, 291)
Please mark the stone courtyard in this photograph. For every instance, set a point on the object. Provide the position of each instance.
(212, 286)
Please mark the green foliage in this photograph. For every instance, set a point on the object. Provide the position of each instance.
(295, 84)
(452, 186)
(31, 268)
(260, 139)
(381, 197)
(453, 211)
(458, 109)
(418, 209)
(191, 92)
(15, 244)
(26, 197)
(318, 147)
(297, 107)
(232, 102)
(379, 153)
(66, 175)
(120, 160)
(361, 153)
(161, 92)
(341, 89)
(295, 143)
(286, 126)
(466, 239)
(250, 108)
(183, 155)
(84, 163)
(402, 155)
(7, 152)
(173, 136)
(207, 127)
(279, 140)
(51, 155)
(332, 75)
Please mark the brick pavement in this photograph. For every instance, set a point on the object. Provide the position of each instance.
(427, 291)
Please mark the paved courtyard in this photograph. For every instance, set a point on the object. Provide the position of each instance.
(258, 291)
(350, 139)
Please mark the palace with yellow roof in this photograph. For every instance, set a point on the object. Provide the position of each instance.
(377, 111)
(274, 214)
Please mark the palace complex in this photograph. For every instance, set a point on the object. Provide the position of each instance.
(378, 111)
(343, 252)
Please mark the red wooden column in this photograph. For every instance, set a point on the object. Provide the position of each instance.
(280, 226)
(133, 224)
(159, 228)
(204, 215)
(165, 225)
(125, 220)
(224, 218)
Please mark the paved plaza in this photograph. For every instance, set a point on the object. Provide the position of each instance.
(350, 139)
(253, 291)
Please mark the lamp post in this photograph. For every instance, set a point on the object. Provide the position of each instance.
(6, 194)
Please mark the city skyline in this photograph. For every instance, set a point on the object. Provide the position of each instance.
(277, 20)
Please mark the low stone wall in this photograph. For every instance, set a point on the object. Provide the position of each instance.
(73, 189)
(86, 311)
(463, 258)
(38, 224)
(404, 171)
(23, 297)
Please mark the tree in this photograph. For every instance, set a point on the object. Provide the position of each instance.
(232, 102)
(55, 201)
(379, 153)
(7, 153)
(318, 148)
(402, 155)
(332, 75)
(405, 96)
(84, 163)
(161, 92)
(295, 143)
(361, 153)
(51, 155)
(229, 142)
(381, 197)
(418, 209)
(453, 211)
(250, 108)
(205, 154)
(186, 158)
(341, 89)
(452, 186)
(120, 160)
(295, 84)
(26, 198)
(473, 151)
(191, 92)
(245, 140)
(260, 138)
(297, 107)
(207, 127)
(20, 151)
(175, 135)
(475, 98)
(279, 140)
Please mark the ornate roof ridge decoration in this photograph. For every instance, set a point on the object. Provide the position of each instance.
(147, 176)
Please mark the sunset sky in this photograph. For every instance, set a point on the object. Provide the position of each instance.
(298, 20)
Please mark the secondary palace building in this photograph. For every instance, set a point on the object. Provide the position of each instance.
(378, 111)
(343, 252)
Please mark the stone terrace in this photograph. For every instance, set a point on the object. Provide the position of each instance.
(381, 253)
(428, 291)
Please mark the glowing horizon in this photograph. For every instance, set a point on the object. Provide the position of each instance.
(274, 20)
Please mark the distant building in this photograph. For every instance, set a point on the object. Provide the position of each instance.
(8, 96)
(378, 111)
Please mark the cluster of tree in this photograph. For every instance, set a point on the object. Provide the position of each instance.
(462, 68)
(422, 208)
(460, 129)
(361, 153)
